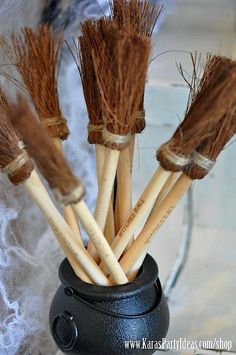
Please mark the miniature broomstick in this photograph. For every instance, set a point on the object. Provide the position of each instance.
(67, 188)
(120, 62)
(35, 53)
(93, 32)
(205, 112)
(203, 161)
(92, 95)
(15, 163)
(138, 16)
(93, 102)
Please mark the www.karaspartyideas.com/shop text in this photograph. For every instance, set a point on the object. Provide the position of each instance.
(179, 344)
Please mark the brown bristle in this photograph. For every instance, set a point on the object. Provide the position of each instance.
(4, 104)
(140, 17)
(120, 61)
(140, 122)
(213, 97)
(35, 54)
(93, 32)
(90, 89)
(10, 151)
(211, 148)
(39, 145)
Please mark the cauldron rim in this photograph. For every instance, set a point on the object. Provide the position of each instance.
(146, 278)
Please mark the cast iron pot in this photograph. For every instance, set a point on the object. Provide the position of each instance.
(98, 320)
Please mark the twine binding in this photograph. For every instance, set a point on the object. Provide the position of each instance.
(21, 145)
(73, 197)
(141, 115)
(174, 158)
(16, 164)
(115, 138)
(95, 128)
(53, 121)
(203, 162)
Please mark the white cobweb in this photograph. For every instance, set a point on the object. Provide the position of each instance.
(29, 257)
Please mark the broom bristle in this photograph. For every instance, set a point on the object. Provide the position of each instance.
(10, 151)
(139, 17)
(4, 104)
(39, 145)
(88, 78)
(214, 96)
(120, 61)
(35, 54)
(212, 147)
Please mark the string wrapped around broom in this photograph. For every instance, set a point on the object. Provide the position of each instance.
(138, 16)
(15, 163)
(205, 112)
(120, 64)
(67, 188)
(203, 161)
(35, 53)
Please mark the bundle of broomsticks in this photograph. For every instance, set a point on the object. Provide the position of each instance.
(114, 53)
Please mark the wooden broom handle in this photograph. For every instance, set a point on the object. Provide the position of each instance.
(134, 269)
(71, 220)
(155, 221)
(74, 263)
(166, 188)
(119, 220)
(124, 186)
(100, 151)
(105, 193)
(139, 211)
(100, 157)
(103, 248)
(109, 230)
(62, 231)
(68, 211)
(106, 187)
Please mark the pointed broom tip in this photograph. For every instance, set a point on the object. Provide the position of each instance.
(39, 145)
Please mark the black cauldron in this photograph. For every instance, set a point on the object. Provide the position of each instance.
(98, 320)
